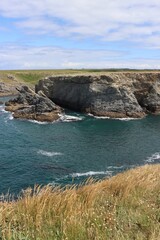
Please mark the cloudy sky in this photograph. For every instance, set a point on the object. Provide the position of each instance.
(48, 34)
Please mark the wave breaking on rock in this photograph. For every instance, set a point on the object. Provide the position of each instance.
(113, 95)
(33, 106)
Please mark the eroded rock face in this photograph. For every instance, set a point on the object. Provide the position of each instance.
(29, 105)
(112, 94)
(7, 89)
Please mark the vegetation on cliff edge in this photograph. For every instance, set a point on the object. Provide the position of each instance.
(31, 77)
(124, 207)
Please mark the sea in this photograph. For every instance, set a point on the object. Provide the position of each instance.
(72, 149)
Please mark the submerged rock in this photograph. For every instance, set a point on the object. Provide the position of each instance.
(116, 95)
(31, 105)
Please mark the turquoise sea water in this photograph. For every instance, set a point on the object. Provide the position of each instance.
(67, 152)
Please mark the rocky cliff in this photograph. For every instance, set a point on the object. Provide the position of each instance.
(112, 94)
(29, 105)
(7, 89)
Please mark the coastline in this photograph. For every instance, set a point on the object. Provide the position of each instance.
(98, 209)
(10, 94)
(114, 95)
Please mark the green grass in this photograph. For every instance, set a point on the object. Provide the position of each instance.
(124, 207)
(33, 76)
(29, 77)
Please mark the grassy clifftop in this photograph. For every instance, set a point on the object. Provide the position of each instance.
(124, 207)
(32, 76)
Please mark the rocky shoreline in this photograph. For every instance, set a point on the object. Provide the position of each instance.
(33, 106)
(114, 95)
(8, 85)
(7, 90)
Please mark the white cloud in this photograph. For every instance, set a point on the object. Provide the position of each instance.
(20, 57)
(50, 57)
(135, 20)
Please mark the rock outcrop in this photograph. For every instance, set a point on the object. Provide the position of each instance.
(114, 95)
(7, 89)
(29, 105)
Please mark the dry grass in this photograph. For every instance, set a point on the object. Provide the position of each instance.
(31, 77)
(124, 207)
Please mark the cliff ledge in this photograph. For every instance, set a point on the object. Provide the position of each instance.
(114, 95)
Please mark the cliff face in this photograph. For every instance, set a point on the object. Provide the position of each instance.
(112, 94)
(29, 105)
(7, 89)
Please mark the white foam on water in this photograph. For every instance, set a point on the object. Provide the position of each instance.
(121, 119)
(89, 114)
(49, 154)
(2, 109)
(61, 178)
(10, 117)
(69, 118)
(38, 122)
(126, 119)
(121, 167)
(115, 167)
(101, 117)
(63, 118)
(91, 173)
(97, 117)
(153, 158)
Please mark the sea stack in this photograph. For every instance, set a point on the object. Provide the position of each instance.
(34, 106)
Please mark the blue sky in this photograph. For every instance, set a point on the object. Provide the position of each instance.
(53, 34)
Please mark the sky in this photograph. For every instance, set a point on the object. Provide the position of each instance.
(62, 34)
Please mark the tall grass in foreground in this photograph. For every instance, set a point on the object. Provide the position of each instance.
(124, 207)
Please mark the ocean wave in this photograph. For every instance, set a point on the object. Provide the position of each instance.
(91, 173)
(49, 154)
(10, 117)
(115, 167)
(155, 157)
(70, 118)
(38, 122)
(121, 119)
(63, 118)
(97, 117)
(101, 117)
(126, 119)
(2, 109)
(121, 167)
